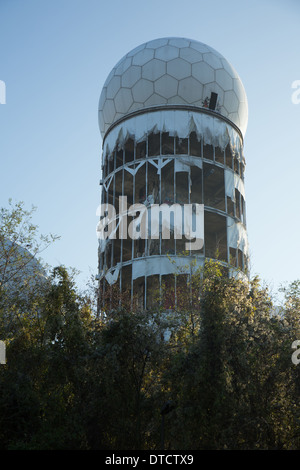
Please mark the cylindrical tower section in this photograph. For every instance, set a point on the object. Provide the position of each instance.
(172, 115)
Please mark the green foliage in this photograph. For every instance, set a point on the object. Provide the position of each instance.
(76, 380)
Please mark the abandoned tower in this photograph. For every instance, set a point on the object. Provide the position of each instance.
(172, 115)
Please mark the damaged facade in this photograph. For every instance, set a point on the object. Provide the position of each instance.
(183, 146)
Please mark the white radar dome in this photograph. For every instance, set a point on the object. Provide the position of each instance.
(172, 71)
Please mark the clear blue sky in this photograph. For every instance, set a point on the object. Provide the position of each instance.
(54, 58)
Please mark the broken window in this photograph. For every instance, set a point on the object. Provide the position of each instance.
(237, 204)
(242, 169)
(119, 158)
(182, 187)
(140, 151)
(230, 206)
(215, 236)
(138, 248)
(140, 185)
(128, 187)
(126, 274)
(167, 144)
(245, 262)
(181, 146)
(219, 155)
(129, 150)
(214, 186)
(240, 259)
(232, 256)
(118, 189)
(243, 208)
(195, 145)
(167, 183)
(110, 164)
(116, 247)
(104, 168)
(236, 165)
(228, 156)
(208, 152)
(111, 192)
(153, 145)
(108, 255)
(153, 190)
(127, 249)
(196, 185)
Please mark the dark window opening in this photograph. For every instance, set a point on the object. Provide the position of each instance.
(182, 187)
(196, 185)
(167, 183)
(108, 255)
(215, 236)
(237, 204)
(127, 249)
(118, 189)
(219, 155)
(230, 206)
(214, 186)
(153, 185)
(126, 279)
(129, 151)
(242, 168)
(138, 248)
(195, 145)
(228, 156)
(153, 145)
(181, 146)
(111, 193)
(208, 152)
(128, 187)
(116, 250)
(119, 158)
(243, 204)
(167, 144)
(240, 259)
(232, 256)
(140, 185)
(236, 164)
(140, 150)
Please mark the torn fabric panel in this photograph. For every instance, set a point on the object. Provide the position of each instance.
(211, 129)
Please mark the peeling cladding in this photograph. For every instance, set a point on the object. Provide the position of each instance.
(164, 143)
(172, 71)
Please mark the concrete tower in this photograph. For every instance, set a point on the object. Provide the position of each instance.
(172, 115)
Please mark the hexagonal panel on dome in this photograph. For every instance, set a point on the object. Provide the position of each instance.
(123, 100)
(179, 68)
(131, 76)
(190, 90)
(154, 69)
(166, 86)
(203, 72)
(168, 71)
(142, 90)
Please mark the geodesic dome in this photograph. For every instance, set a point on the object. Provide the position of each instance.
(172, 71)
